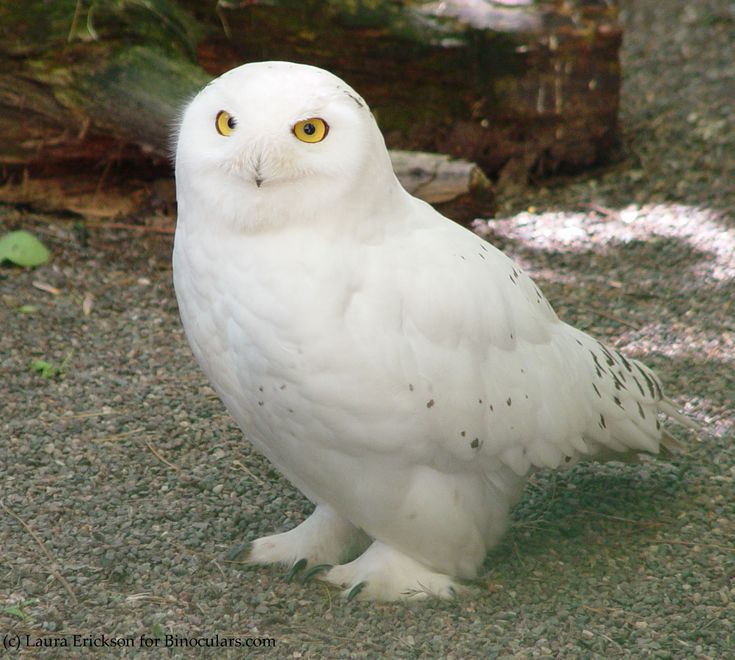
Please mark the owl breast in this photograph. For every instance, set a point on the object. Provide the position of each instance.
(309, 346)
(271, 330)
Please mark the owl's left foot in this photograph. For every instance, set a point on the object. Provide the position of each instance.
(383, 573)
(323, 538)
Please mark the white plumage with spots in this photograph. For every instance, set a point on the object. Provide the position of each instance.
(401, 372)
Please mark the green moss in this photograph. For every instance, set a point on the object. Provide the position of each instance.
(41, 28)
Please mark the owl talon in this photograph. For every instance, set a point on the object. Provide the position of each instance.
(355, 591)
(313, 571)
(236, 550)
(296, 569)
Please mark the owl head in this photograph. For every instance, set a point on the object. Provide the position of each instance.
(268, 140)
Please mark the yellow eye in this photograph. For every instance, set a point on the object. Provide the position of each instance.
(225, 123)
(311, 130)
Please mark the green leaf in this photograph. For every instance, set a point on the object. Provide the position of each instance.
(23, 249)
(46, 369)
(27, 309)
(14, 610)
(50, 370)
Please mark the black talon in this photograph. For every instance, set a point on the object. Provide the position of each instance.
(236, 550)
(313, 571)
(355, 591)
(296, 569)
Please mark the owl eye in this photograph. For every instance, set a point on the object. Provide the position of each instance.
(311, 130)
(225, 123)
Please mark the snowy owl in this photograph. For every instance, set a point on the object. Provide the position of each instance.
(400, 371)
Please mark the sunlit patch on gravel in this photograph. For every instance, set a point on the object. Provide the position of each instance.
(676, 339)
(701, 228)
(702, 232)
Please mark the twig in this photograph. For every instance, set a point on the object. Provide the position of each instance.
(42, 286)
(612, 317)
(103, 177)
(609, 639)
(74, 21)
(222, 17)
(161, 458)
(644, 523)
(148, 597)
(605, 610)
(701, 545)
(39, 540)
(95, 413)
(206, 556)
(601, 210)
(122, 225)
(239, 466)
(113, 437)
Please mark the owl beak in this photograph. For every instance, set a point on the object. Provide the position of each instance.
(258, 175)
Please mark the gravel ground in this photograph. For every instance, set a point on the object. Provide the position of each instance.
(124, 483)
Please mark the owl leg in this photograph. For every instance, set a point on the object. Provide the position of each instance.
(323, 538)
(384, 573)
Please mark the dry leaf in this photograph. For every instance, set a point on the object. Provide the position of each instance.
(42, 286)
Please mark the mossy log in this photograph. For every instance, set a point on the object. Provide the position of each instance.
(528, 84)
(93, 83)
(525, 85)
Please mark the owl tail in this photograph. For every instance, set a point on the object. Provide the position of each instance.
(669, 443)
(625, 400)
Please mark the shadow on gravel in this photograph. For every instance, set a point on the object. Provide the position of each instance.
(629, 260)
(571, 514)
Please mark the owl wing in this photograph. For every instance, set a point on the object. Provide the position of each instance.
(504, 379)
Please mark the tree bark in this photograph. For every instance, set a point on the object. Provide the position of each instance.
(521, 86)
(529, 84)
(84, 84)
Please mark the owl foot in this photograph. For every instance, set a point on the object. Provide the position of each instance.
(323, 538)
(383, 573)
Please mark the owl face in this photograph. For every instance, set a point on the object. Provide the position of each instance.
(271, 128)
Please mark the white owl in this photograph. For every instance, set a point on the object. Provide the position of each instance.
(401, 372)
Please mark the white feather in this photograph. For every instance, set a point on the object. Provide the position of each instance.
(400, 371)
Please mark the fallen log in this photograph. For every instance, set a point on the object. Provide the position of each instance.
(520, 86)
(457, 187)
(528, 84)
(89, 85)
